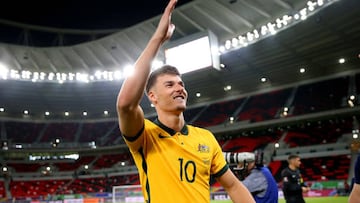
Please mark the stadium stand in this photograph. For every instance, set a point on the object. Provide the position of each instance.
(326, 168)
(250, 143)
(35, 188)
(218, 113)
(320, 96)
(312, 133)
(2, 189)
(317, 169)
(192, 114)
(22, 132)
(99, 184)
(74, 165)
(264, 106)
(65, 131)
(25, 167)
(107, 161)
(91, 131)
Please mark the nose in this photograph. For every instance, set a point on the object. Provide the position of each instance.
(179, 88)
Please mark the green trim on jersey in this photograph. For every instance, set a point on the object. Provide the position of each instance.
(183, 131)
(222, 171)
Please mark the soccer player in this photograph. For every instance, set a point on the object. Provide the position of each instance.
(293, 184)
(355, 192)
(257, 178)
(175, 160)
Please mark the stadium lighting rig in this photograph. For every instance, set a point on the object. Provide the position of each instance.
(237, 42)
(272, 28)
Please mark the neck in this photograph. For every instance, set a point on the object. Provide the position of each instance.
(292, 167)
(175, 122)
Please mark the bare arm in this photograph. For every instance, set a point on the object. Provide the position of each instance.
(130, 114)
(355, 194)
(236, 190)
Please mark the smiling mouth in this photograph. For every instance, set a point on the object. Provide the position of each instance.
(179, 97)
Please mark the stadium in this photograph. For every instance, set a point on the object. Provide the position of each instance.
(284, 79)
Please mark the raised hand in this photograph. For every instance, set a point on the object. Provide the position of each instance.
(165, 28)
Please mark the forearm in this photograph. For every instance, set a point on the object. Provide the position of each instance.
(239, 193)
(236, 190)
(355, 194)
(128, 101)
(133, 87)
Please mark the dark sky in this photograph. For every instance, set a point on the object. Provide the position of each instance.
(73, 14)
(83, 14)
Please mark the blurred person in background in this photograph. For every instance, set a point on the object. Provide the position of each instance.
(256, 177)
(293, 184)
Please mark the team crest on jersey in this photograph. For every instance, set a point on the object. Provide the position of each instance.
(203, 148)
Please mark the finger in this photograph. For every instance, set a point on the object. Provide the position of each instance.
(171, 6)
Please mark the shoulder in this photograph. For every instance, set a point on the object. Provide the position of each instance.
(151, 128)
(256, 172)
(198, 130)
(265, 169)
(202, 134)
(285, 171)
(148, 122)
(150, 125)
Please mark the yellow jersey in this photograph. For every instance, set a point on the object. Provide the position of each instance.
(176, 166)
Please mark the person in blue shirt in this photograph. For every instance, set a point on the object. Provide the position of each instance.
(257, 178)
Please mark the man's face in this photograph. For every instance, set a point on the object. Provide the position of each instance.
(244, 170)
(168, 93)
(296, 162)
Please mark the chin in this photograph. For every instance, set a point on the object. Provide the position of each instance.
(181, 108)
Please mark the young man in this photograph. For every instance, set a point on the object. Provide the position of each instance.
(355, 192)
(175, 160)
(257, 178)
(293, 184)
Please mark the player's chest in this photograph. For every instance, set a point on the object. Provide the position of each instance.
(180, 147)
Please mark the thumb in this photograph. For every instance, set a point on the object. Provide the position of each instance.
(171, 29)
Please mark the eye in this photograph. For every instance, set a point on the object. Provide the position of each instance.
(169, 84)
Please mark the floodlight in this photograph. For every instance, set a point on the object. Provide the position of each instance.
(194, 52)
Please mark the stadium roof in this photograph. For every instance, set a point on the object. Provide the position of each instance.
(93, 43)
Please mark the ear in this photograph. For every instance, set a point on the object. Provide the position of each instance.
(152, 97)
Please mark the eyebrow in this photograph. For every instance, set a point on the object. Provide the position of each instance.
(172, 82)
(168, 82)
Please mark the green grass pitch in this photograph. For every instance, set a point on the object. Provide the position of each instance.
(307, 200)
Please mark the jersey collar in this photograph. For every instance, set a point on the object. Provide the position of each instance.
(183, 131)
